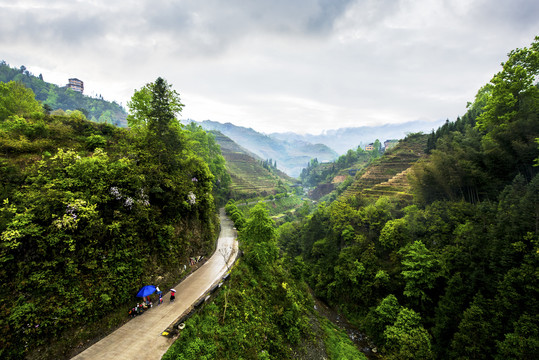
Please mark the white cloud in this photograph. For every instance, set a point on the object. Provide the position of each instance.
(276, 65)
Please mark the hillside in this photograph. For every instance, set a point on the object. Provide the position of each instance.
(249, 177)
(90, 213)
(291, 156)
(264, 311)
(441, 260)
(387, 175)
(61, 98)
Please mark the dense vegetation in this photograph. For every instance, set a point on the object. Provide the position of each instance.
(90, 212)
(317, 172)
(263, 312)
(59, 99)
(454, 274)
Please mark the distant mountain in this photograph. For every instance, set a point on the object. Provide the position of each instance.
(291, 155)
(60, 97)
(341, 140)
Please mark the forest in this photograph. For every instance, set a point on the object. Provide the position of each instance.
(90, 212)
(451, 274)
(60, 99)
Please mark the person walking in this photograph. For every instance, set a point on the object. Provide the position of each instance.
(172, 294)
(160, 294)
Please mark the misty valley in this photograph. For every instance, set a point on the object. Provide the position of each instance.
(410, 241)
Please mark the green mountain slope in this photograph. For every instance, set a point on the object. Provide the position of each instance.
(88, 214)
(60, 97)
(291, 156)
(249, 177)
(450, 272)
(387, 175)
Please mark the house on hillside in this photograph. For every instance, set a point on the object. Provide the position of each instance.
(369, 147)
(76, 85)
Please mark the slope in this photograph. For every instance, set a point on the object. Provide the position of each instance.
(291, 156)
(56, 97)
(387, 175)
(249, 178)
(89, 214)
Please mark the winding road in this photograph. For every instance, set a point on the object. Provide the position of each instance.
(141, 338)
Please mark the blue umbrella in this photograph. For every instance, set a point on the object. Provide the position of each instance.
(146, 291)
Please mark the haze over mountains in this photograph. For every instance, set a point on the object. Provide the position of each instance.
(343, 139)
(291, 156)
(293, 151)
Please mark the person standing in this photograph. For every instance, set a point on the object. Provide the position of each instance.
(172, 294)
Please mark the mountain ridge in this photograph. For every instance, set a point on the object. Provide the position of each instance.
(291, 156)
(343, 139)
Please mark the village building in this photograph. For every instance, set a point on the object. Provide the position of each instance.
(76, 85)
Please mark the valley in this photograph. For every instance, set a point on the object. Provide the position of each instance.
(426, 249)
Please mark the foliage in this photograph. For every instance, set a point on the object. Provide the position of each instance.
(454, 274)
(16, 99)
(259, 314)
(316, 173)
(89, 213)
(205, 145)
(153, 99)
(475, 157)
(54, 97)
(257, 239)
(338, 345)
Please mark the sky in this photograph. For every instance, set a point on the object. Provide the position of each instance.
(276, 65)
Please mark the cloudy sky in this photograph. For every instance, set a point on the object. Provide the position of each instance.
(276, 65)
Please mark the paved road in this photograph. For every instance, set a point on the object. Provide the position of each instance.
(141, 338)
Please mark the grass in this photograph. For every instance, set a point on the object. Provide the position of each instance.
(338, 345)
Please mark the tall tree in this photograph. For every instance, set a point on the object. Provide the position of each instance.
(16, 99)
(511, 87)
(258, 238)
(420, 271)
(152, 101)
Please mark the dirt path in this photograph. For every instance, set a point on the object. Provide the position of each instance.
(141, 338)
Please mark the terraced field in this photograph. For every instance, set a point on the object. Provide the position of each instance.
(387, 176)
(249, 177)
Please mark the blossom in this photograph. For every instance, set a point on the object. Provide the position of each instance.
(128, 203)
(192, 198)
(71, 210)
(115, 192)
(144, 199)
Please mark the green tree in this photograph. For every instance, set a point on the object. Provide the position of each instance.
(407, 338)
(512, 88)
(394, 234)
(106, 117)
(258, 239)
(384, 315)
(16, 99)
(420, 271)
(153, 100)
(475, 336)
(523, 343)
